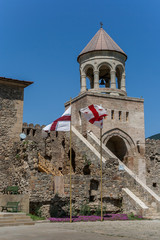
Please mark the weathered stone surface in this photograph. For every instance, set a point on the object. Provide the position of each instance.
(153, 164)
(43, 188)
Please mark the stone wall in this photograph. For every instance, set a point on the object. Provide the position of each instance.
(153, 164)
(44, 189)
(11, 112)
(48, 193)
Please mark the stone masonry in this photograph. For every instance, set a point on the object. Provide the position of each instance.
(153, 164)
(41, 166)
(11, 116)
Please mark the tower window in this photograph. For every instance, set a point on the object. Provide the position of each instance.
(127, 116)
(154, 184)
(120, 115)
(80, 120)
(112, 114)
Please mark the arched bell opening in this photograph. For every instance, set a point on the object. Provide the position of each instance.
(90, 78)
(104, 76)
(117, 146)
(119, 71)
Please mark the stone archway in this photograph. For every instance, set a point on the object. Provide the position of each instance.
(117, 146)
(121, 145)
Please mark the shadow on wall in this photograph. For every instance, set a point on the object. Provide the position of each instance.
(73, 159)
(59, 207)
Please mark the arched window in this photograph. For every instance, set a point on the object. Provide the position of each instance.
(89, 78)
(104, 76)
(119, 71)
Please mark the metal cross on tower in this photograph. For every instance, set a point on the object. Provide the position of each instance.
(101, 24)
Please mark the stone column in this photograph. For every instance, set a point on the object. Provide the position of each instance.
(83, 83)
(113, 79)
(123, 82)
(96, 79)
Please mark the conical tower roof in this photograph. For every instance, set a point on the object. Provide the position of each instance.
(101, 42)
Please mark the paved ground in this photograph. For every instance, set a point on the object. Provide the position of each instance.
(108, 230)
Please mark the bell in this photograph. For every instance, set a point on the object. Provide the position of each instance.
(102, 82)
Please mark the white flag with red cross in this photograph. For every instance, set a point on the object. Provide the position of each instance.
(94, 114)
(60, 124)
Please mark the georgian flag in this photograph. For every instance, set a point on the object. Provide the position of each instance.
(60, 124)
(94, 114)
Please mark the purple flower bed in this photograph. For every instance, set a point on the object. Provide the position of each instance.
(93, 218)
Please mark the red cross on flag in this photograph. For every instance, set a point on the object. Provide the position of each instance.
(94, 114)
(60, 124)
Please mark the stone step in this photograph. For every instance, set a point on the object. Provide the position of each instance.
(9, 214)
(152, 217)
(16, 224)
(15, 219)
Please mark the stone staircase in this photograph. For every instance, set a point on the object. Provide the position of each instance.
(140, 197)
(14, 219)
(151, 212)
(47, 167)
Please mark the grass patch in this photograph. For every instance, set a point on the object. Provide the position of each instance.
(35, 218)
(134, 217)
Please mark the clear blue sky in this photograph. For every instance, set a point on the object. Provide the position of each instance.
(41, 39)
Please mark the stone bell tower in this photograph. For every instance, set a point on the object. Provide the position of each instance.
(102, 82)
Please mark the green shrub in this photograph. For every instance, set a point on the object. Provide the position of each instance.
(74, 211)
(85, 210)
(38, 212)
(131, 216)
(98, 211)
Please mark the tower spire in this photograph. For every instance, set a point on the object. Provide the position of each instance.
(101, 24)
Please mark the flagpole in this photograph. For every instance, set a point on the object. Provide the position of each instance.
(101, 172)
(71, 164)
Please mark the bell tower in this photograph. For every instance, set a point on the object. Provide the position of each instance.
(102, 82)
(102, 63)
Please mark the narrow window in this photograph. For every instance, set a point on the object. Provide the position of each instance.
(28, 131)
(34, 132)
(127, 116)
(120, 115)
(80, 120)
(112, 114)
(154, 184)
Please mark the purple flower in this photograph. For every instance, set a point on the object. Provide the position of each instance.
(111, 217)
